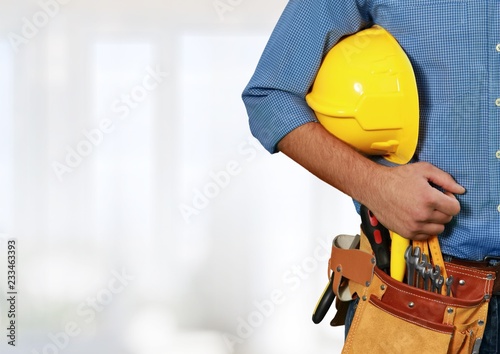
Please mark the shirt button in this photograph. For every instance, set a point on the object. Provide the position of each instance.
(497, 154)
(497, 102)
(498, 208)
(498, 47)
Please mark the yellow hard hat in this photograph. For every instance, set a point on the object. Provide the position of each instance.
(365, 94)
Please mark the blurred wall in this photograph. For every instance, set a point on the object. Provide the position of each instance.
(146, 217)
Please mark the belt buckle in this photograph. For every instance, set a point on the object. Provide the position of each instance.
(491, 258)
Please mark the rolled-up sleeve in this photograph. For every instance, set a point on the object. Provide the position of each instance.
(307, 29)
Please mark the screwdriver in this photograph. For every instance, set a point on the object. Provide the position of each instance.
(399, 246)
(379, 237)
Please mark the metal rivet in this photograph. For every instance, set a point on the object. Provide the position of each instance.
(367, 284)
(480, 322)
(411, 305)
(373, 261)
(339, 269)
(450, 309)
(461, 282)
(364, 298)
(486, 297)
(489, 276)
(382, 287)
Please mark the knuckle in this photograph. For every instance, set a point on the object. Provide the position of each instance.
(421, 215)
(414, 227)
(439, 228)
(421, 237)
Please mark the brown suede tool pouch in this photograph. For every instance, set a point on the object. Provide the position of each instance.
(394, 317)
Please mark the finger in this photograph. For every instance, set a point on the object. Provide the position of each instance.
(424, 229)
(427, 231)
(446, 203)
(421, 237)
(444, 180)
(439, 217)
(431, 217)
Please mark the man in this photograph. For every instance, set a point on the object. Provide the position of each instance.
(452, 186)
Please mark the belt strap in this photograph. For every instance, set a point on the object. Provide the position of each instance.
(353, 264)
(436, 255)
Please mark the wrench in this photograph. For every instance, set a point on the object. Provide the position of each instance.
(410, 267)
(427, 276)
(415, 259)
(421, 266)
(439, 283)
(412, 257)
(435, 273)
(449, 282)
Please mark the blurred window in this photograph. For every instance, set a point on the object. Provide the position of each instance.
(6, 135)
(125, 84)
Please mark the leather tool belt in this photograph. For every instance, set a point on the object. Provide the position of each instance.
(486, 266)
(394, 317)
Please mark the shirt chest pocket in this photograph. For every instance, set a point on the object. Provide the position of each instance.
(434, 34)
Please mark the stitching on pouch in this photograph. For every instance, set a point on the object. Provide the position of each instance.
(407, 320)
(426, 298)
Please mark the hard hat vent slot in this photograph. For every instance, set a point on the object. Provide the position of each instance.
(390, 146)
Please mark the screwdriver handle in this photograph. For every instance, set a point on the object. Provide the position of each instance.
(398, 263)
(379, 238)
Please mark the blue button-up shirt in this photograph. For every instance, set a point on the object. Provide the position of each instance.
(454, 47)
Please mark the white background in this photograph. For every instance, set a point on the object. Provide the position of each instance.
(148, 220)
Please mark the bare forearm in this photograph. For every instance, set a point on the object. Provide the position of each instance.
(331, 160)
(401, 197)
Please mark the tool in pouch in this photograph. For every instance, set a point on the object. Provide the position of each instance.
(425, 267)
(399, 317)
(379, 238)
(380, 242)
(338, 285)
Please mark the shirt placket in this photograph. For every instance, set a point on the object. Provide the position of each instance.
(494, 90)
